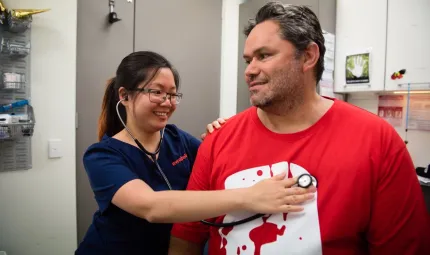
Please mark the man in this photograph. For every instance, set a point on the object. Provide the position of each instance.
(368, 198)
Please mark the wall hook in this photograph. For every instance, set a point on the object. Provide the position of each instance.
(113, 17)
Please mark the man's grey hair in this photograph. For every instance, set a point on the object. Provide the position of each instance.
(298, 24)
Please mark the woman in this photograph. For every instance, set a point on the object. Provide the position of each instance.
(132, 187)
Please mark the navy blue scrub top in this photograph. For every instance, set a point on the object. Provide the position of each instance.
(112, 163)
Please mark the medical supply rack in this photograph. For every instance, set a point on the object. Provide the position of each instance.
(17, 123)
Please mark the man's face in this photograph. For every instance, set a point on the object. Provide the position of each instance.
(274, 74)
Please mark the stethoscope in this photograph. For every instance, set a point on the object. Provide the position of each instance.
(152, 155)
(303, 181)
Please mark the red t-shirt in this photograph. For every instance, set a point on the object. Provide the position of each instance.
(368, 198)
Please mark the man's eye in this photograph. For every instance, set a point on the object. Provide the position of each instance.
(263, 56)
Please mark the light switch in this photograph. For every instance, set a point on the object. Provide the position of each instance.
(55, 149)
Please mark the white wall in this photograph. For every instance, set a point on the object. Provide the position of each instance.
(229, 53)
(38, 206)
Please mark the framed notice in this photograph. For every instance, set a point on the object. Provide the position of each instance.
(357, 68)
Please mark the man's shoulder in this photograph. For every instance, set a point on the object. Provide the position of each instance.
(360, 122)
(230, 132)
(242, 116)
(355, 115)
(234, 124)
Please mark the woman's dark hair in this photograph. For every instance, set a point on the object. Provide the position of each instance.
(298, 24)
(137, 67)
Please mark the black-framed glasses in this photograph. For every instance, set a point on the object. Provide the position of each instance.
(158, 96)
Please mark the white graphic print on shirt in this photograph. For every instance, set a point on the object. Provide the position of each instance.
(285, 233)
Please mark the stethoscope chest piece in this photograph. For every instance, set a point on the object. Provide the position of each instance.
(304, 181)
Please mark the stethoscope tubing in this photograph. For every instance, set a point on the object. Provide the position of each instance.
(153, 156)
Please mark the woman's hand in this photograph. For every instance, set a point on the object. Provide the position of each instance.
(275, 195)
(212, 126)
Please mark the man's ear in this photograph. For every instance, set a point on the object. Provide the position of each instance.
(311, 54)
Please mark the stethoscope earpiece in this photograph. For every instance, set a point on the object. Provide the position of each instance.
(152, 155)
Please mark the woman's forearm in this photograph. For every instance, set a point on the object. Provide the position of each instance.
(190, 206)
(272, 195)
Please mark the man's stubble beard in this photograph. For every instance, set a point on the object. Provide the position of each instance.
(286, 93)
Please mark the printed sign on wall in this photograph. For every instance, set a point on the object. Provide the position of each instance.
(390, 108)
(357, 68)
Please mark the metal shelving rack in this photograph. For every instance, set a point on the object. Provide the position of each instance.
(17, 119)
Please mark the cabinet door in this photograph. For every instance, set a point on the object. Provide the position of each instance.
(408, 44)
(100, 49)
(360, 28)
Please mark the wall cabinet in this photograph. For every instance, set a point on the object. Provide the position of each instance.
(360, 27)
(394, 33)
(408, 36)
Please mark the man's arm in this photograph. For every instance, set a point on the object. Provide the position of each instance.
(399, 221)
(181, 247)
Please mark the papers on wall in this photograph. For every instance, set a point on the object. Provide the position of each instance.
(419, 112)
(326, 82)
(393, 109)
(390, 108)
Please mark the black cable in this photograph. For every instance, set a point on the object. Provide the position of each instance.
(233, 223)
(213, 224)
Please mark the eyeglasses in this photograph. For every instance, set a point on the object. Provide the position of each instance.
(158, 96)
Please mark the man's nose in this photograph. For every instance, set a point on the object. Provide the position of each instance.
(252, 70)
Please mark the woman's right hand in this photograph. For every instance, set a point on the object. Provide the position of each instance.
(276, 195)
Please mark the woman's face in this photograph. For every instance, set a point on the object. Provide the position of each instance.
(148, 111)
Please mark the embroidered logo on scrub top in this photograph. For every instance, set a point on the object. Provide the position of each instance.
(179, 160)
